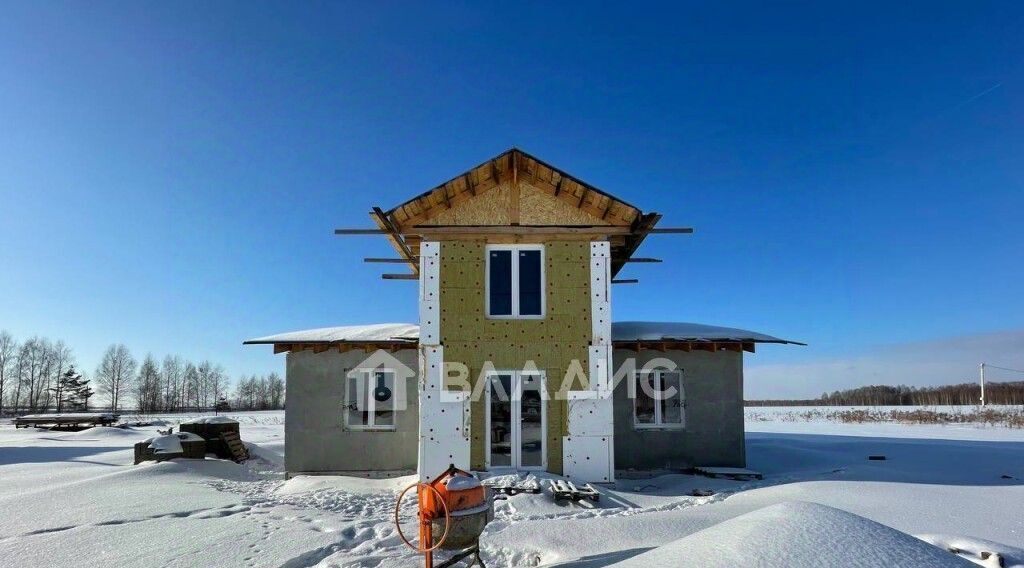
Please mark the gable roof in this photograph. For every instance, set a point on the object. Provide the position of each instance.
(628, 223)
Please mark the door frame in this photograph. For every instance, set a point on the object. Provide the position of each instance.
(517, 421)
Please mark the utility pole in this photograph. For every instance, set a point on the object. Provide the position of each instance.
(982, 384)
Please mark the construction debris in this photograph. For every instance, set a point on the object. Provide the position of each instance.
(171, 446)
(567, 491)
(734, 473)
(212, 429)
(239, 452)
(514, 488)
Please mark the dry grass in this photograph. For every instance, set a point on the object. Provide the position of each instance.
(1005, 417)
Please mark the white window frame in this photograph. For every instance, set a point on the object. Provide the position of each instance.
(656, 384)
(516, 399)
(515, 281)
(368, 376)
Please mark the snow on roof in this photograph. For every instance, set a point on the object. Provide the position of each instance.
(72, 416)
(682, 331)
(171, 443)
(798, 535)
(621, 331)
(211, 420)
(352, 333)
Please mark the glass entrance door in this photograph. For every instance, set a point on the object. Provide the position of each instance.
(516, 420)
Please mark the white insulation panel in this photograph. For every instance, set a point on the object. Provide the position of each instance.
(444, 414)
(599, 369)
(444, 418)
(437, 452)
(588, 458)
(430, 293)
(431, 367)
(590, 417)
(600, 293)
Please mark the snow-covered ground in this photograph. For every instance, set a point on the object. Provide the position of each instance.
(68, 499)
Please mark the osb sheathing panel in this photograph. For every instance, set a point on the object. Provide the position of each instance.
(469, 337)
(535, 208)
(488, 208)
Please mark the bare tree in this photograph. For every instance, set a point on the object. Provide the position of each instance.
(114, 372)
(173, 374)
(147, 385)
(275, 387)
(61, 359)
(190, 386)
(8, 353)
(35, 359)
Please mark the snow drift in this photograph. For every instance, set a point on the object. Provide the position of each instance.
(796, 535)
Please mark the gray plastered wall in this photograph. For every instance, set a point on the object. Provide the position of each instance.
(316, 438)
(714, 431)
(318, 442)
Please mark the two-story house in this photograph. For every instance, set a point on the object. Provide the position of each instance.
(515, 363)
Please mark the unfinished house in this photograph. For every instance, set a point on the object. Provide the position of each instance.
(515, 363)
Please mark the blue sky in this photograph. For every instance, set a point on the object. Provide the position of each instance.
(170, 177)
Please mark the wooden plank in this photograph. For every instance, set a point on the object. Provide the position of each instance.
(360, 232)
(639, 228)
(396, 240)
(626, 281)
(671, 231)
(513, 202)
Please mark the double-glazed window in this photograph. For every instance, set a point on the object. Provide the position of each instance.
(659, 400)
(370, 400)
(515, 281)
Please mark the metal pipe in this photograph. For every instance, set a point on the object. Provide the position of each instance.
(983, 384)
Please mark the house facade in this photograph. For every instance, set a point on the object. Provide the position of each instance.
(515, 363)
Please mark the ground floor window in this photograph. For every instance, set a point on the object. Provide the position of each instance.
(659, 400)
(370, 400)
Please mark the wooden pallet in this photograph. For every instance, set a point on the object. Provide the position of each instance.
(567, 491)
(239, 452)
(516, 488)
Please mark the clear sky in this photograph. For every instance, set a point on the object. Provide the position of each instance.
(170, 176)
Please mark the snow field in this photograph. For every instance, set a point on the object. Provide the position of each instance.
(69, 496)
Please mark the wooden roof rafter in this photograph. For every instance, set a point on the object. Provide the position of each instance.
(516, 166)
(395, 238)
(407, 224)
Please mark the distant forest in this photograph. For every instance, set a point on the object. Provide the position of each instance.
(882, 395)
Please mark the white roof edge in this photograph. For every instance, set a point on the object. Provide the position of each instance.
(685, 331)
(352, 333)
(621, 331)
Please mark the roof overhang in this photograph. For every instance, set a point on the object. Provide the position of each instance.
(408, 224)
(630, 335)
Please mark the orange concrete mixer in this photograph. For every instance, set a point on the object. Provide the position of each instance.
(455, 506)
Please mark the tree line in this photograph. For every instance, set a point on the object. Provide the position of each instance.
(1011, 393)
(39, 375)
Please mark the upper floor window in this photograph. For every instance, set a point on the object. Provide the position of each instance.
(515, 281)
(659, 400)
